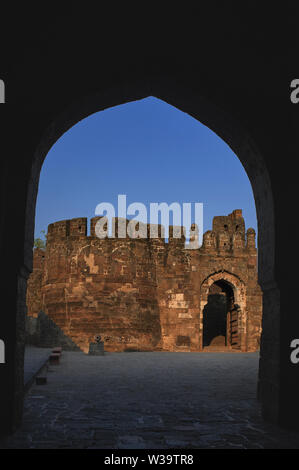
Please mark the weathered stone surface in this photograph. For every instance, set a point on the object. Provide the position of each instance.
(149, 400)
(146, 294)
(96, 349)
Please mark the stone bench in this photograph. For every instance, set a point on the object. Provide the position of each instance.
(54, 359)
(57, 350)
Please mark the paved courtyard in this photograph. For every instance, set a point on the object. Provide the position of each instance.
(149, 400)
(35, 358)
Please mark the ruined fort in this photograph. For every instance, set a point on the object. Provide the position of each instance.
(146, 294)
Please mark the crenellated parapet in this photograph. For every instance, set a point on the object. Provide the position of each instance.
(78, 227)
(228, 236)
(121, 229)
(58, 230)
(230, 224)
(67, 228)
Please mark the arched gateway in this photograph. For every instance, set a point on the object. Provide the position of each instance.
(223, 312)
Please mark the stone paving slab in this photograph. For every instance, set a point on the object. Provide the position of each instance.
(35, 359)
(156, 400)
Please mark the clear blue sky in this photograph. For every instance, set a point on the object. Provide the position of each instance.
(149, 151)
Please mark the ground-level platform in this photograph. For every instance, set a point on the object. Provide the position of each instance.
(149, 400)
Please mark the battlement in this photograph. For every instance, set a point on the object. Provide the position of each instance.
(223, 241)
(227, 236)
(231, 223)
(121, 228)
(67, 228)
(125, 229)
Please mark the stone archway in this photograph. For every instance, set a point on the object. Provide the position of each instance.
(239, 308)
(209, 114)
(220, 327)
(196, 105)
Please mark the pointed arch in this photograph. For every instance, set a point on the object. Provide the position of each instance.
(239, 290)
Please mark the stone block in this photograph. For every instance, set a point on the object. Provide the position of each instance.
(96, 349)
(54, 359)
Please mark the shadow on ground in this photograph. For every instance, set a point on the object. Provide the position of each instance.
(149, 400)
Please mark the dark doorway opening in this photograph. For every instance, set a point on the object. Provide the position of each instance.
(220, 318)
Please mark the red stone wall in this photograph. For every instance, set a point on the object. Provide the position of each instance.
(144, 294)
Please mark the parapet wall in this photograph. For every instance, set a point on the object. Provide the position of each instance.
(143, 293)
(228, 233)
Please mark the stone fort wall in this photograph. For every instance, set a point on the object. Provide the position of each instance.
(144, 294)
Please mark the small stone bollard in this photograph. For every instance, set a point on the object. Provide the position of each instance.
(97, 348)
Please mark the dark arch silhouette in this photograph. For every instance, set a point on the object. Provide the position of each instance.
(197, 106)
(202, 109)
(237, 84)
